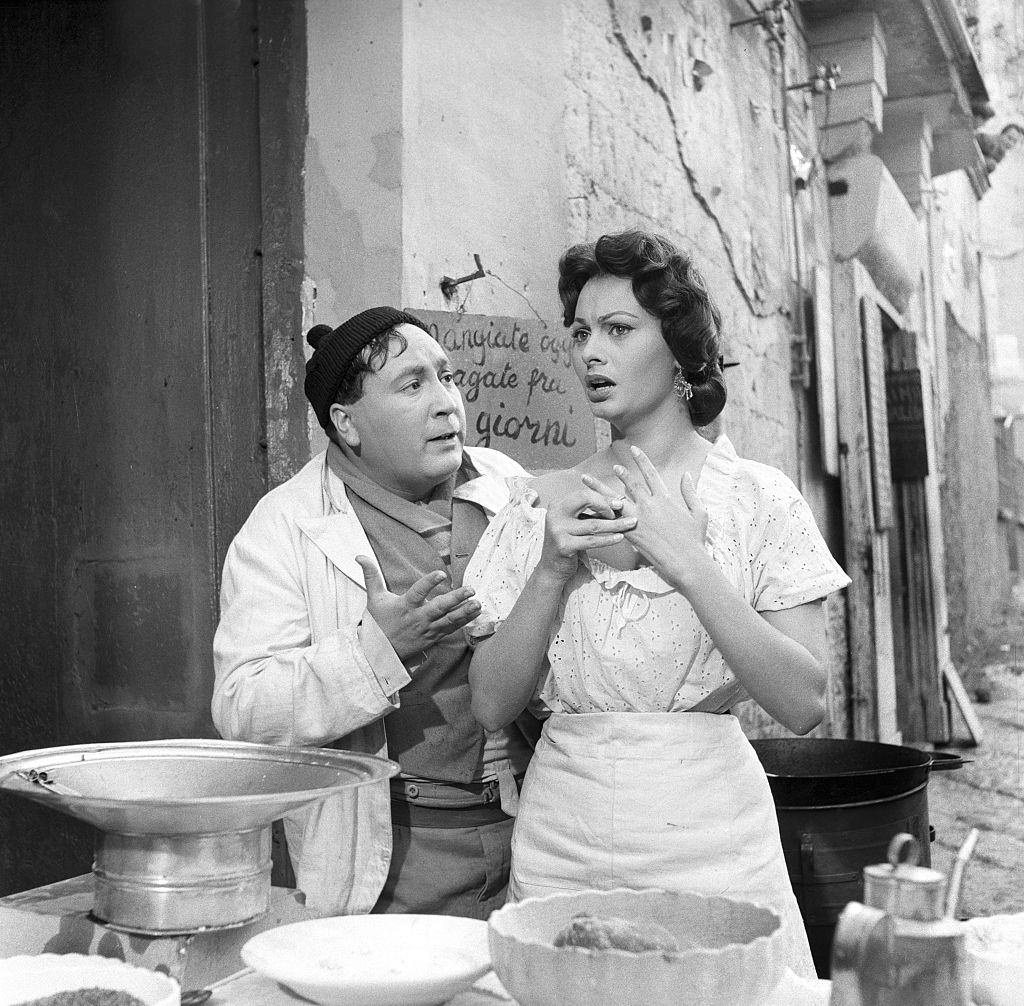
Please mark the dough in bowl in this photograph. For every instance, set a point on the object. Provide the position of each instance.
(608, 932)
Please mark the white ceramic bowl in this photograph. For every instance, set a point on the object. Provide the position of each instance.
(995, 949)
(373, 960)
(32, 976)
(728, 951)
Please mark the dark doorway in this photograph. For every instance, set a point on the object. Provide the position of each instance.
(134, 180)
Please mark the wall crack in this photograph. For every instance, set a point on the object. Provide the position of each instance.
(518, 293)
(749, 297)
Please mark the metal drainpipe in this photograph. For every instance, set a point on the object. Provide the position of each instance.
(801, 369)
(800, 373)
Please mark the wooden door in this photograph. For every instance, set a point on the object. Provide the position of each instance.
(921, 709)
(133, 404)
(867, 501)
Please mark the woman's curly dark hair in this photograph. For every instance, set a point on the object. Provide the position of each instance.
(667, 285)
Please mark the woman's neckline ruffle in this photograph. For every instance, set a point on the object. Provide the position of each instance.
(722, 458)
(645, 578)
(523, 495)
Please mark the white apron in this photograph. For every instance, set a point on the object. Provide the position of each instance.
(672, 800)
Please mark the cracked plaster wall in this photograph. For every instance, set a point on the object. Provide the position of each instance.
(707, 168)
(353, 191)
(483, 156)
(435, 133)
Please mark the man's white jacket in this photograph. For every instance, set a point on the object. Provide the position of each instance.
(299, 661)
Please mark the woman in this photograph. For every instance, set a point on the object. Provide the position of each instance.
(662, 576)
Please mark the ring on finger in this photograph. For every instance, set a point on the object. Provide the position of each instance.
(617, 503)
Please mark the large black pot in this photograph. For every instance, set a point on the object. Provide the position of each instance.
(838, 803)
(808, 772)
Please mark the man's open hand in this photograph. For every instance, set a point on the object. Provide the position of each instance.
(425, 613)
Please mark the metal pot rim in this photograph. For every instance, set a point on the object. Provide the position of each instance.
(928, 760)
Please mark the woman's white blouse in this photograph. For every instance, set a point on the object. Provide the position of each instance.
(624, 640)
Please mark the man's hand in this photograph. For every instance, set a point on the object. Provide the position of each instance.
(422, 615)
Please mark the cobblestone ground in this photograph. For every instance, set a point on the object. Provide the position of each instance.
(988, 793)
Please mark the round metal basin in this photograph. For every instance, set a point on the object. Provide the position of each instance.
(184, 825)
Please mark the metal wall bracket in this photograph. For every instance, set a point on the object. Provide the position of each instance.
(448, 284)
(771, 17)
(825, 77)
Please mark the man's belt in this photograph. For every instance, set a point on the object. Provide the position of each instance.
(446, 795)
(406, 814)
(416, 804)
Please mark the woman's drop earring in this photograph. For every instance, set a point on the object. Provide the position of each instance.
(681, 386)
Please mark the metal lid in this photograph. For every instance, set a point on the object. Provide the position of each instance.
(902, 888)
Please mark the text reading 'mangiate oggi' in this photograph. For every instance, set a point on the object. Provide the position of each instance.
(514, 374)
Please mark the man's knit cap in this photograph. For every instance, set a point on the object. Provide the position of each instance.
(335, 349)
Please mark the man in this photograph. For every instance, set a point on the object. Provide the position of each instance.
(341, 624)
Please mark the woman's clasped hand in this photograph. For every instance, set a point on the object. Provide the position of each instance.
(670, 528)
(577, 522)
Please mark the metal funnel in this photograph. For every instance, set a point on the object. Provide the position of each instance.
(184, 825)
